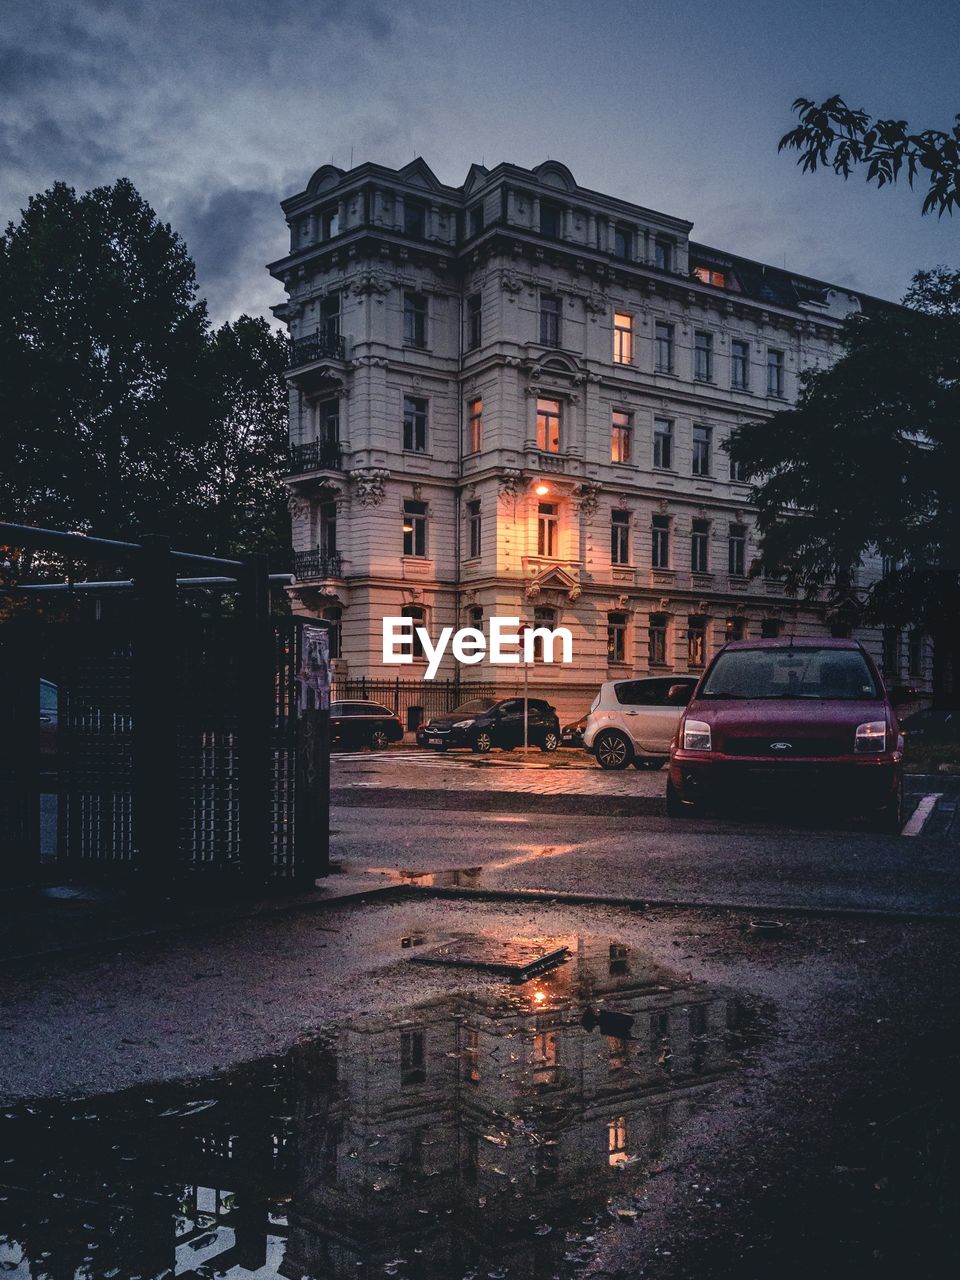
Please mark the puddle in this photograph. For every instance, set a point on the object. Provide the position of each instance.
(496, 1133)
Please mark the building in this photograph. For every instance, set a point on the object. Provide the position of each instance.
(512, 397)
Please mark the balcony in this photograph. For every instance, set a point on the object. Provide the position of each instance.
(315, 346)
(308, 565)
(315, 455)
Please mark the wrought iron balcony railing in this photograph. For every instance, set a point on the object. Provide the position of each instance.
(315, 346)
(316, 455)
(317, 564)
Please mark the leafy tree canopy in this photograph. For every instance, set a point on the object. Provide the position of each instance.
(832, 134)
(869, 461)
(124, 412)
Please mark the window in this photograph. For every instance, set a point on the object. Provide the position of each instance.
(703, 356)
(739, 365)
(547, 529)
(328, 421)
(471, 1055)
(738, 471)
(413, 644)
(915, 653)
(700, 547)
(414, 424)
(622, 338)
(737, 551)
(414, 528)
(663, 347)
(663, 254)
(550, 320)
(619, 959)
(328, 528)
(474, 526)
(334, 615)
(617, 1141)
(622, 242)
(708, 275)
(620, 537)
(661, 542)
(890, 656)
(476, 219)
(701, 449)
(551, 220)
(414, 219)
(329, 223)
(543, 616)
(412, 1060)
(657, 640)
(474, 426)
(475, 616)
(696, 641)
(770, 629)
(774, 372)
(330, 319)
(618, 1053)
(621, 436)
(616, 637)
(414, 320)
(663, 444)
(548, 426)
(545, 1057)
(474, 321)
(736, 629)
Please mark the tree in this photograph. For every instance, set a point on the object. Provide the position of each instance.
(123, 412)
(868, 462)
(832, 134)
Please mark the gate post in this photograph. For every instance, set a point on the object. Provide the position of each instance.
(155, 661)
(256, 713)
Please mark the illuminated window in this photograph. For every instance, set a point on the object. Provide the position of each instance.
(414, 424)
(618, 1053)
(545, 1057)
(620, 537)
(414, 320)
(707, 275)
(703, 356)
(696, 641)
(700, 547)
(775, 371)
(474, 321)
(548, 529)
(548, 426)
(471, 1055)
(663, 255)
(740, 365)
(412, 1059)
(474, 426)
(475, 527)
(616, 637)
(663, 444)
(737, 551)
(622, 338)
(414, 528)
(660, 551)
(621, 443)
(736, 629)
(701, 449)
(617, 1140)
(657, 640)
(663, 347)
(550, 309)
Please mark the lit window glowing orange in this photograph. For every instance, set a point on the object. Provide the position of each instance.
(708, 276)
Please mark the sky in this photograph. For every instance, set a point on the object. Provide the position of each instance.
(218, 109)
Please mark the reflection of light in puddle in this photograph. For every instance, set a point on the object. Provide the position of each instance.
(532, 853)
(504, 818)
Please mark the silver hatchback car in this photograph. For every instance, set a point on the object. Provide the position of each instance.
(633, 721)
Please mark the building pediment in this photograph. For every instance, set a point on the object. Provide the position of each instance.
(419, 174)
(551, 585)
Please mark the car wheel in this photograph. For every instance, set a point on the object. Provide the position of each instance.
(675, 806)
(482, 742)
(379, 740)
(550, 741)
(612, 750)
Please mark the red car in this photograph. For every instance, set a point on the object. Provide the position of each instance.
(803, 720)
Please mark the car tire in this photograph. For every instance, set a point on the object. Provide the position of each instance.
(675, 806)
(379, 740)
(652, 763)
(612, 750)
(482, 742)
(550, 741)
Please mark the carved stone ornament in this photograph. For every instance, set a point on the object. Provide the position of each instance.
(597, 303)
(369, 485)
(533, 591)
(372, 282)
(511, 483)
(588, 498)
(298, 507)
(512, 281)
(574, 594)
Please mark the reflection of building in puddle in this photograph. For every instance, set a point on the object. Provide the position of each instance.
(473, 1131)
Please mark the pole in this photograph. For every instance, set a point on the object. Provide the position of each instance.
(521, 631)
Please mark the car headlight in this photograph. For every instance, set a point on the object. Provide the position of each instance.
(696, 736)
(463, 724)
(871, 736)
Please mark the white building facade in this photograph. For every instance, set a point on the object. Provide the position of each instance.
(512, 397)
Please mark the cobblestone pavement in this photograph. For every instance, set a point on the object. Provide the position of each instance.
(410, 769)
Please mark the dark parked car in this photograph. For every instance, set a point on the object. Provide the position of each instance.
(933, 725)
(363, 724)
(490, 722)
(803, 720)
(571, 735)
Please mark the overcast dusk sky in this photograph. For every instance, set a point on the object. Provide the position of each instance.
(217, 109)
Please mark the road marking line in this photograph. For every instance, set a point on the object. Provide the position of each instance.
(914, 826)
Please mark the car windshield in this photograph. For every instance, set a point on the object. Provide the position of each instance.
(474, 708)
(824, 674)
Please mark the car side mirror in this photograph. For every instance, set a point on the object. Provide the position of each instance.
(678, 695)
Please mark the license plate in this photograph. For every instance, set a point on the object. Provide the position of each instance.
(435, 742)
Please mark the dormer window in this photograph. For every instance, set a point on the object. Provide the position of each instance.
(330, 223)
(476, 220)
(551, 220)
(709, 275)
(622, 242)
(663, 254)
(414, 220)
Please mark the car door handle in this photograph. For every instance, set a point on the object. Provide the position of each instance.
(633, 713)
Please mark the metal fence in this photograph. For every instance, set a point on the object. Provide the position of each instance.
(414, 701)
